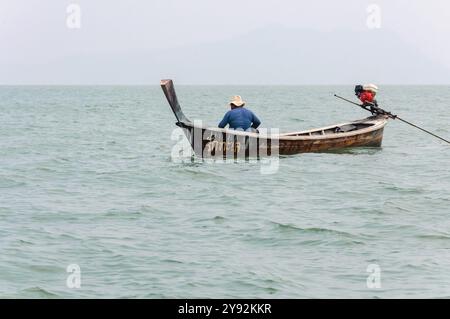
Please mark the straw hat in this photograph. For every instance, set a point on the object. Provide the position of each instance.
(237, 101)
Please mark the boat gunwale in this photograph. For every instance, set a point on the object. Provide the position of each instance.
(378, 123)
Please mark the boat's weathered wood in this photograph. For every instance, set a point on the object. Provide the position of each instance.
(211, 142)
(217, 142)
(169, 91)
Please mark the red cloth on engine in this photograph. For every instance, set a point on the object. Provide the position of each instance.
(367, 96)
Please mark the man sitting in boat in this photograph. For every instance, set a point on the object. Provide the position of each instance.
(240, 118)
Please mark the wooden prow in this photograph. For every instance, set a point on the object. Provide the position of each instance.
(169, 91)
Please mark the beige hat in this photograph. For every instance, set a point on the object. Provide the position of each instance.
(237, 100)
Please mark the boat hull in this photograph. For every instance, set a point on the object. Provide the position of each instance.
(369, 139)
(220, 143)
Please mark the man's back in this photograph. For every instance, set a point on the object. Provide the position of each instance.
(240, 118)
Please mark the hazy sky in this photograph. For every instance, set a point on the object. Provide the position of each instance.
(34, 36)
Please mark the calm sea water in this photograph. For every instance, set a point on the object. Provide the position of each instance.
(86, 178)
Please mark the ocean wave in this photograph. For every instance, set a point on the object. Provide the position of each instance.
(312, 230)
(434, 236)
(9, 183)
(36, 292)
(172, 261)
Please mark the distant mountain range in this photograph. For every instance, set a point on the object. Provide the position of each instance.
(273, 55)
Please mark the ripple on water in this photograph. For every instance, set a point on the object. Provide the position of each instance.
(124, 214)
(312, 230)
(440, 237)
(281, 234)
(402, 189)
(35, 293)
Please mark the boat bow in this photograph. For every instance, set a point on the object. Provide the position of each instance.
(169, 92)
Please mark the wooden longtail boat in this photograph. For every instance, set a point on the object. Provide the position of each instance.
(225, 143)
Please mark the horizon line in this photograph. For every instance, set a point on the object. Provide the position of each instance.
(220, 84)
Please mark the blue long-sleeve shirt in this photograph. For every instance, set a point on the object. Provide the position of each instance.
(240, 118)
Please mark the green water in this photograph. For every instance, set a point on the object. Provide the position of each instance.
(87, 178)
